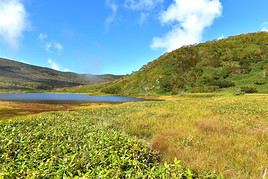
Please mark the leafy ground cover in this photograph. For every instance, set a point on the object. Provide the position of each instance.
(217, 133)
(78, 144)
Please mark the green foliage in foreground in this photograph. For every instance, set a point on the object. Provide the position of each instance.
(78, 144)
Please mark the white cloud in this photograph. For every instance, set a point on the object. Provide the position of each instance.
(53, 64)
(143, 17)
(145, 7)
(141, 4)
(23, 61)
(42, 36)
(114, 8)
(50, 46)
(264, 27)
(221, 37)
(188, 18)
(13, 22)
(54, 46)
(66, 70)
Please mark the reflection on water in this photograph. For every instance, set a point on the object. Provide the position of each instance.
(64, 98)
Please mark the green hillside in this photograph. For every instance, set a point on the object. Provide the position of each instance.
(237, 64)
(20, 76)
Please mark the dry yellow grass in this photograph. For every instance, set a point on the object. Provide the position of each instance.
(225, 134)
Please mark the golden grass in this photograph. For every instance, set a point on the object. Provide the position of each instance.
(223, 133)
(226, 134)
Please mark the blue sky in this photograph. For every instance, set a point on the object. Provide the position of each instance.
(117, 36)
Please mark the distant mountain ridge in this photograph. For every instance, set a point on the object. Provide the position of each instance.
(20, 76)
(237, 63)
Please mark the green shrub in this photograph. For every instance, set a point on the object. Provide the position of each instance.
(166, 83)
(115, 89)
(203, 89)
(248, 90)
(260, 82)
(223, 83)
(166, 86)
(175, 91)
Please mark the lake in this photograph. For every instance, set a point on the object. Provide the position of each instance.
(64, 98)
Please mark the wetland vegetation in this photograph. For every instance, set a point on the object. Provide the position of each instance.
(212, 135)
(192, 134)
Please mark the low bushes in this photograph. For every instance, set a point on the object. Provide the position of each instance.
(114, 89)
(223, 83)
(203, 89)
(78, 144)
(248, 90)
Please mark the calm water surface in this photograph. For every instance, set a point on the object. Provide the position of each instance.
(48, 97)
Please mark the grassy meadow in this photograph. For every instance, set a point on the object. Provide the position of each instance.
(211, 134)
(79, 144)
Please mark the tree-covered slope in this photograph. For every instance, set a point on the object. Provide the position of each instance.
(238, 62)
(20, 76)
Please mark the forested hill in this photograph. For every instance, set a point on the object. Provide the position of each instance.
(235, 63)
(20, 76)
